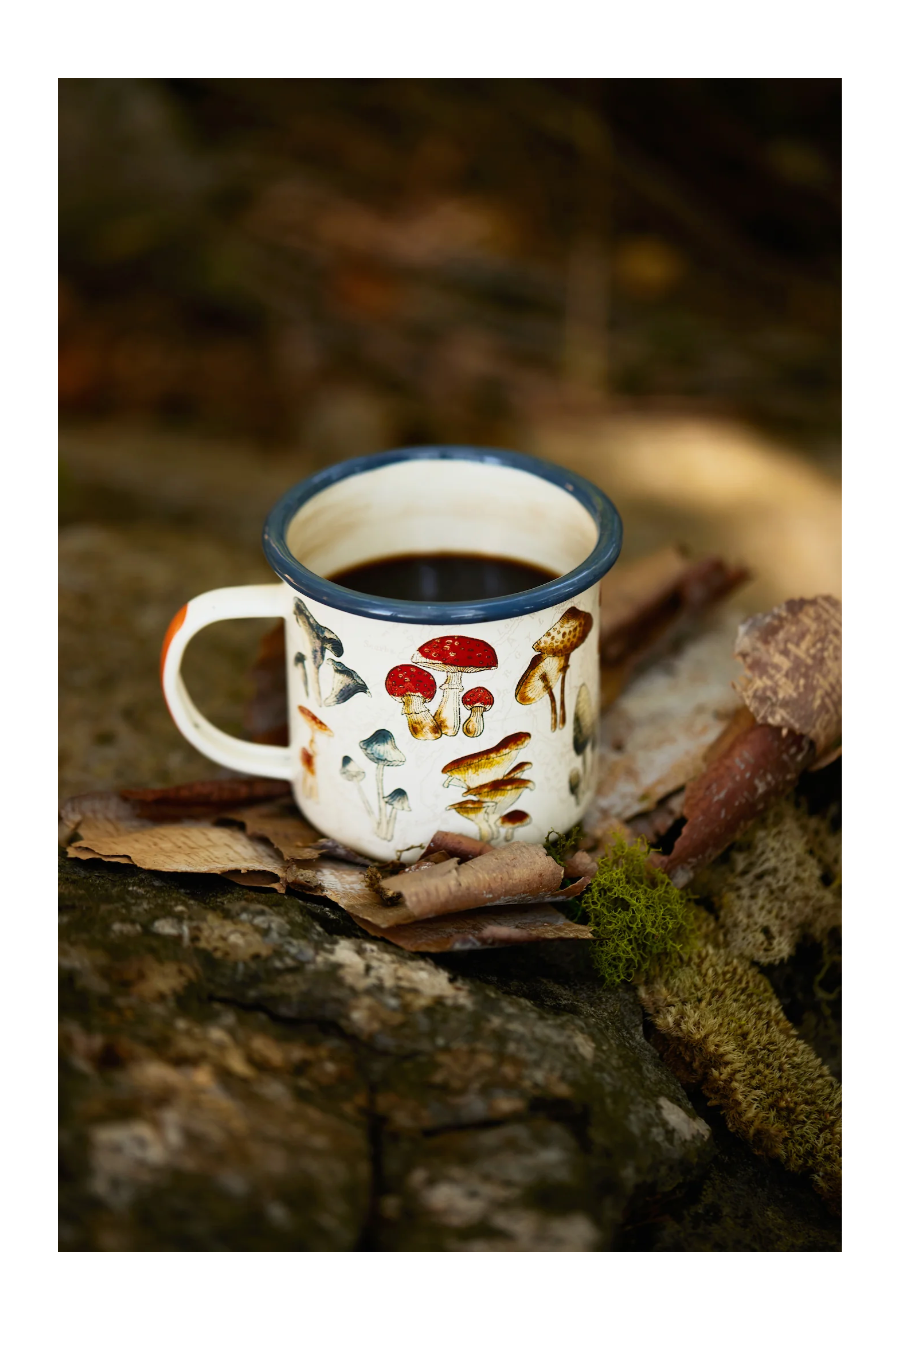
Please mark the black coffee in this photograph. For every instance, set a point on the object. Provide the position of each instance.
(459, 577)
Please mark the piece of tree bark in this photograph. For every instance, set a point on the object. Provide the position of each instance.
(202, 798)
(792, 657)
(648, 603)
(758, 767)
(515, 874)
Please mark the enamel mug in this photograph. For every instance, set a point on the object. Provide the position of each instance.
(408, 717)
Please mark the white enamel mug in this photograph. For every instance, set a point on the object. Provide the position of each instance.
(408, 717)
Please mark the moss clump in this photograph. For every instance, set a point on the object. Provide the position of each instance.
(561, 846)
(639, 918)
(723, 1027)
(779, 884)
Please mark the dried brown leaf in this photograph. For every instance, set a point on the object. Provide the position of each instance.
(792, 657)
(282, 825)
(187, 846)
(508, 927)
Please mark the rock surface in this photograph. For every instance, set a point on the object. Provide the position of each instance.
(244, 1071)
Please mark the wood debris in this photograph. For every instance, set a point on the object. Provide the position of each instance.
(270, 845)
(650, 602)
(654, 738)
(474, 928)
(203, 798)
(515, 874)
(792, 657)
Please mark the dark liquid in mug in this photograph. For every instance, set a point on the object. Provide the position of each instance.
(460, 577)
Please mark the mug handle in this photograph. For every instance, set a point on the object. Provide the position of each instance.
(230, 602)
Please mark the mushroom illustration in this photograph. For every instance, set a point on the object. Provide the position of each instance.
(518, 769)
(584, 728)
(477, 701)
(319, 642)
(512, 821)
(485, 765)
(475, 812)
(344, 684)
(354, 774)
(412, 687)
(384, 752)
(300, 660)
(456, 656)
(500, 794)
(554, 652)
(308, 756)
(575, 784)
(397, 801)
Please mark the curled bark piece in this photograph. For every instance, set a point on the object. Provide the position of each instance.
(757, 768)
(202, 798)
(456, 845)
(516, 873)
(792, 657)
(647, 603)
(473, 929)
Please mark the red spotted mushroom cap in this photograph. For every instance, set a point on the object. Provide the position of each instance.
(478, 697)
(456, 653)
(410, 680)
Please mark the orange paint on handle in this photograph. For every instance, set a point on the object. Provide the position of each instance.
(167, 640)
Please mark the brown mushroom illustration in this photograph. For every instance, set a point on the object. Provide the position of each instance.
(584, 734)
(554, 652)
(317, 727)
(485, 765)
(478, 701)
(456, 656)
(500, 794)
(512, 821)
(412, 687)
(475, 812)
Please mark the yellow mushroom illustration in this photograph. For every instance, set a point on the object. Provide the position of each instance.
(549, 666)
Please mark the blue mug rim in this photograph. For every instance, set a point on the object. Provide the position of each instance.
(555, 592)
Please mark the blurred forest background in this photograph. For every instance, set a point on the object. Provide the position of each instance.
(637, 278)
(435, 259)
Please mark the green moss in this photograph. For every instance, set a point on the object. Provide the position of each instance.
(639, 918)
(562, 846)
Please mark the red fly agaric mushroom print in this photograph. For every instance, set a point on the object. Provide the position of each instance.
(477, 701)
(554, 652)
(455, 656)
(412, 687)
(308, 785)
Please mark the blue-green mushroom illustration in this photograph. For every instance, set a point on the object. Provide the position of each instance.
(384, 752)
(345, 683)
(319, 641)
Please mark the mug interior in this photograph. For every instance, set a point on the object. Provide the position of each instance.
(442, 506)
